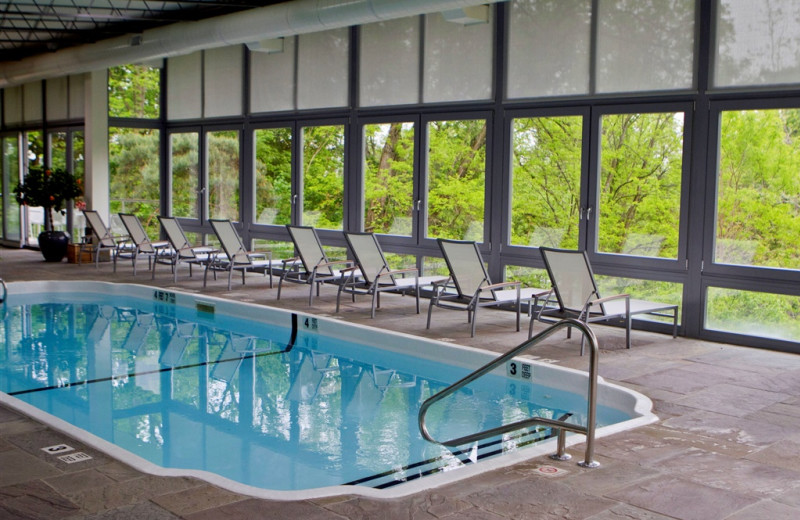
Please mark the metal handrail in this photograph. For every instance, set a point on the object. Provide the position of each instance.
(561, 426)
(5, 290)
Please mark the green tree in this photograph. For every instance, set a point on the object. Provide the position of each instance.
(134, 91)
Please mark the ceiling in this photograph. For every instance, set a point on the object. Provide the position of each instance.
(32, 27)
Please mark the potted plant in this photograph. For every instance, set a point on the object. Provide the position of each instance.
(50, 189)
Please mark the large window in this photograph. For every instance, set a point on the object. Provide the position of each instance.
(546, 181)
(223, 174)
(10, 217)
(757, 42)
(134, 91)
(323, 176)
(758, 189)
(184, 172)
(641, 168)
(134, 175)
(456, 179)
(389, 178)
(273, 176)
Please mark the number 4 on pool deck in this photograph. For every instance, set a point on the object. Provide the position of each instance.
(519, 370)
(310, 323)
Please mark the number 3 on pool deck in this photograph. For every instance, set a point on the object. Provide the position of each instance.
(513, 369)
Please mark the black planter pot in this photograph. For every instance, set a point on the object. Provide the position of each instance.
(53, 245)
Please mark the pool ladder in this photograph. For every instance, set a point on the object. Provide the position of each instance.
(5, 290)
(561, 426)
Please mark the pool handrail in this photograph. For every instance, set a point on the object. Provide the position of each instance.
(562, 426)
(5, 290)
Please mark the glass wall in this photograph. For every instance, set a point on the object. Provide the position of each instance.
(11, 175)
(641, 167)
(758, 189)
(273, 176)
(223, 166)
(456, 179)
(323, 176)
(184, 170)
(134, 173)
(389, 178)
(546, 181)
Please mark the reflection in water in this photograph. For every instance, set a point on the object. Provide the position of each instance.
(246, 401)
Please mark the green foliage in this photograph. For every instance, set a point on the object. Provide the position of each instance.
(641, 168)
(50, 189)
(323, 176)
(185, 173)
(758, 192)
(389, 177)
(134, 174)
(273, 176)
(456, 178)
(546, 173)
(134, 91)
(223, 174)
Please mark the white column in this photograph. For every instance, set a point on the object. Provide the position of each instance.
(96, 143)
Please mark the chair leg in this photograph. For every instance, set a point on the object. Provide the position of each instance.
(376, 298)
(474, 314)
(433, 300)
(628, 321)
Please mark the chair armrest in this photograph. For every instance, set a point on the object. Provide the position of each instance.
(607, 299)
(500, 285)
(392, 272)
(347, 263)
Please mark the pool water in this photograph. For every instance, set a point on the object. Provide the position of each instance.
(267, 405)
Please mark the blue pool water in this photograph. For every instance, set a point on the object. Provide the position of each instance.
(264, 404)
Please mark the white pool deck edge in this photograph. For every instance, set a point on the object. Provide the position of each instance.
(610, 394)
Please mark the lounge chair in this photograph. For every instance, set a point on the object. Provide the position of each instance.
(182, 250)
(236, 255)
(141, 242)
(311, 266)
(469, 286)
(578, 297)
(374, 276)
(101, 239)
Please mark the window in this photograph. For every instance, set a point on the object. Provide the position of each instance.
(546, 181)
(645, 45)
(10, 214)
(223, 174)
(758, 189)
(456, 179)
(754, 313)
(548, 48)
(323, 176)
(273, 176)
(641, 167)
(134, 91)
(389, 178)
(390, 55)
(184, 172)
(134, 175)
(757, 43)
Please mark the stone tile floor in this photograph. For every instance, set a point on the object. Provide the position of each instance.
(727, 444)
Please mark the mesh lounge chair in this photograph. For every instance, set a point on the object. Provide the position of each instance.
(182, 250)
(473, 287)
(311, 266)
(375, 274)
(236, 255)
(141, 242)
(102, 239)
(578, 297)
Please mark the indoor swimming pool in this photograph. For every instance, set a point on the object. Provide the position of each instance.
(272, 403)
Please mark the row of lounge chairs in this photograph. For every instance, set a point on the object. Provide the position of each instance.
(468, 287)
